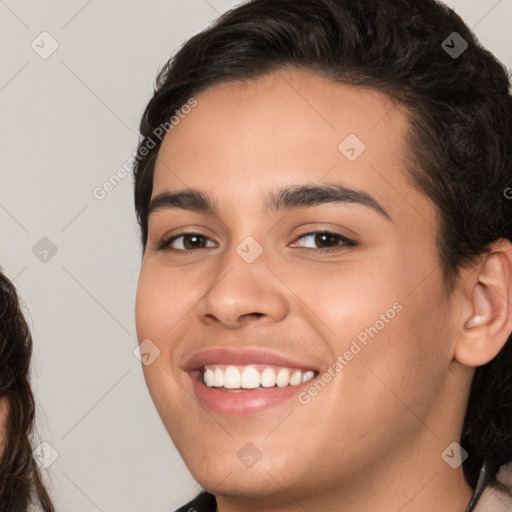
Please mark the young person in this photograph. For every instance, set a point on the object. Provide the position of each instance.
(326, 227)
(21, 485)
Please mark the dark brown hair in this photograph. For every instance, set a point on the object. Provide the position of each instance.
(459, 143)
(20, 480)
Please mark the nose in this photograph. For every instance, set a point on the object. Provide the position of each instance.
(243, 293)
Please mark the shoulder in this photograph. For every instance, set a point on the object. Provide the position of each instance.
(205, 502)
(497, 497)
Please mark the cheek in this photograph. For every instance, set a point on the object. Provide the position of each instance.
(375, 316)
(159, 307)
(162, 302)
(342, 299)
(404, 354)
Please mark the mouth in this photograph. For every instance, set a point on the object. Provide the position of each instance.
(241, 378)
(246, 382)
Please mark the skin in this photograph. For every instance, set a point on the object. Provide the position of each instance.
(372, 439)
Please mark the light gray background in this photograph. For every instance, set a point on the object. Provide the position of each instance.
(68, 122)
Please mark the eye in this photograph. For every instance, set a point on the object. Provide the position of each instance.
(328, 241)
(331, 239)
(188, 242)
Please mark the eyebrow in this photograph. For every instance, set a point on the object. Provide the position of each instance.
(287, 198)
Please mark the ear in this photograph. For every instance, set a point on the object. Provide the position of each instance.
(486, 322)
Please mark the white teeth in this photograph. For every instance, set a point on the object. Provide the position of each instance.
(268, 378)
(209, 377)
(231, 377)
(296, 378)
(308, 376)
(219, 378)
(252, 377)
(283, 378)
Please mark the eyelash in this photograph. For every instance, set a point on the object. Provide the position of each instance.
(164, 245)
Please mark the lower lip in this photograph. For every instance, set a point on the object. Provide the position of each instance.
(243, 403)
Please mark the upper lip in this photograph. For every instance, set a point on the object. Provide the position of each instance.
(245, 356)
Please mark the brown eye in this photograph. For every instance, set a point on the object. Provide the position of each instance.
(327, 240)
(184, 242)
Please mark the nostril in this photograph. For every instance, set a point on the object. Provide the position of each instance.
(257, 315)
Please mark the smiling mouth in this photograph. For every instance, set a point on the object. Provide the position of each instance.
(252, 376)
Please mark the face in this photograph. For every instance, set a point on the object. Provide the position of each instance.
(334, 291)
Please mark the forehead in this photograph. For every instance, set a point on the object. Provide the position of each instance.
(285, 128)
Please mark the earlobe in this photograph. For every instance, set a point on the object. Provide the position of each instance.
(488, 327)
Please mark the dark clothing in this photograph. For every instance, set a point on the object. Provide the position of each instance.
(205, 502)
